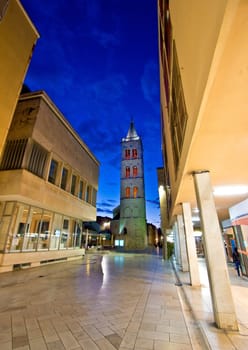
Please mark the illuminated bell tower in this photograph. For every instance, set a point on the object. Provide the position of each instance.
(132, 197)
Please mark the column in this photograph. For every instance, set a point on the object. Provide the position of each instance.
(182, 244)
(176, 244)
(190, 244)
(222, 301)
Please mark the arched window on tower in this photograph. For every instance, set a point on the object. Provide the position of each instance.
(127, 192)
(135, 171)
(127, 171)
(127, 153)
(134, 153)
(135, 192)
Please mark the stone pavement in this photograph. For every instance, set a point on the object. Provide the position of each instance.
(114, 301)
(199, 302)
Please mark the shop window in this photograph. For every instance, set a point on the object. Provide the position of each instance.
(127, 192)
(134, 153)
(135, 192)
(56, 232)
(127, 171)
(53, 171)
(135, 171)
(65, 234)
(127, 154)
(44, 230)
(64, 178)
(35, 226)
(77, 234)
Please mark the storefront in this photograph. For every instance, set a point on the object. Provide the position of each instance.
(26, 229)
(239, 220)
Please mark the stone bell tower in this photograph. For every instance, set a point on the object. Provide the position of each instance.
(133, 228)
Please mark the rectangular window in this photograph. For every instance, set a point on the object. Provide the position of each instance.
(87, 194)
(134, 153)
(177, 112)
(81, 189)
(127, 154)
(119, 242)
(66, 224)
(73, 184)
(127, 192)
(64, 178)
(94, 193)
(53, 171)
(127, 171)
(135, 171)
(135, 192)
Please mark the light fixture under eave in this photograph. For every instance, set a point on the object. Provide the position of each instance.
(230, 190)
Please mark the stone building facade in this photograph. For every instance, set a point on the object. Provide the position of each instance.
(48, 186)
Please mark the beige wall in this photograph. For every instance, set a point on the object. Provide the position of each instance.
(37, 116)
(17, 38)
(212, 52)
(23, 186)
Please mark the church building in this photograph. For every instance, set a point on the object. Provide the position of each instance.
(129, 224)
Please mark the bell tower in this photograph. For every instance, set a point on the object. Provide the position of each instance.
(132, 193)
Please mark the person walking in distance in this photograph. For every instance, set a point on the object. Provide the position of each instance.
(236, 260)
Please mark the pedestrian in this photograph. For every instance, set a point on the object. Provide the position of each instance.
(236, 260)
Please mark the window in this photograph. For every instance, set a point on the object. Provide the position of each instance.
(134, 153)
(64, 178)
(119, 243)
(135, 171)
(135, 192)
(66, 224)
(127, 153)
(177, 112)
(87, 194)
(94, 194)
(127, 171)
(81, 189)
(53, 171)
(127, 192)
(13, 154)
(73, 184)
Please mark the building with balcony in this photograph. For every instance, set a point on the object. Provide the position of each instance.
(48, 186)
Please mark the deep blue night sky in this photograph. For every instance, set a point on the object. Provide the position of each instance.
(98, 62)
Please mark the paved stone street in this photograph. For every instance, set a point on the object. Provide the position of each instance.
(114, 301)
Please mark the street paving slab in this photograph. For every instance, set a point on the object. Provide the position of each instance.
(107, 301)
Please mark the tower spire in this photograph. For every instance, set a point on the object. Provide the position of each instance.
(132, 133)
